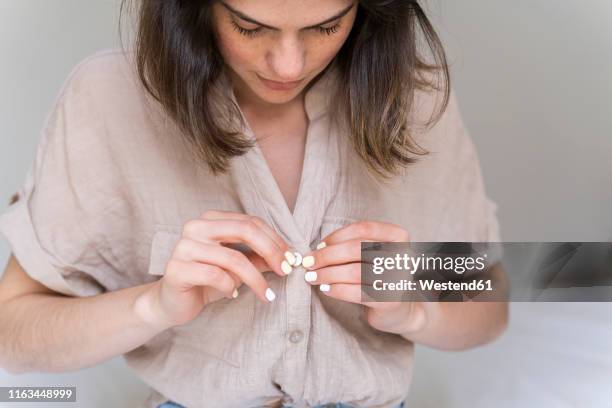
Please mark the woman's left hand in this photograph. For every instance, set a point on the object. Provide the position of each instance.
(337, 269)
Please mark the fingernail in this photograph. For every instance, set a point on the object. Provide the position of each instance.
(270, 294)
(324, 287)
(310, 276)
(321, 245)
(298, 259)
(290, 257)
(235, 293)
(286, 268)
(308, 261)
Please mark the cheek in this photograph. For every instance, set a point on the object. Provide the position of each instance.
(326, 49)
(236, 51)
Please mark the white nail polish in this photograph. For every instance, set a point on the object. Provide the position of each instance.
(310, 276)
(235, 293)
(308, 261)
(290, 257)
(321, 245)
(298, 259)
(286, 268)
(270, 294)
(324, 287)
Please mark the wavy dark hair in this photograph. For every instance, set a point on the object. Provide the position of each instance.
(381, 65)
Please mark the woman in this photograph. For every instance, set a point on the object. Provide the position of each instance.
(198, 206)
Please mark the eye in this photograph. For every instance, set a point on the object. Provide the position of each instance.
(329, 30)
(244, 31)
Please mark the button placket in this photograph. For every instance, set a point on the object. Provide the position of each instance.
(308, 217)
(260, 195)
(298, 322)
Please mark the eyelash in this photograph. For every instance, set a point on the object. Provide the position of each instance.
(253, 33)
(329, 30)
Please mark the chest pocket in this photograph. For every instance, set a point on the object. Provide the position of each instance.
(222, 328)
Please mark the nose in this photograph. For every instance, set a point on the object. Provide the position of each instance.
(287, 60)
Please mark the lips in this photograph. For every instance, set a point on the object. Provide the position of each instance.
(279, 85)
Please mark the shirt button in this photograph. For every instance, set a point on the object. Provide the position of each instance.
(296, 336)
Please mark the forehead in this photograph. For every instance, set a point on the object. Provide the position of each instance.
(289, 13)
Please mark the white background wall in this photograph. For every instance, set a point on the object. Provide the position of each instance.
(534, 81)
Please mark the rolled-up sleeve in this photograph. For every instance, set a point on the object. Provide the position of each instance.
(467, 212)
(58, 224)
(470, 208)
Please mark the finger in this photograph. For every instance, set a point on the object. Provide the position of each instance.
(229, 215)
(375, 231)
(348, 292)
(239, 231)
(347, 273)
(258, 262)
(185, 275)
(226, 258)
(340, 253)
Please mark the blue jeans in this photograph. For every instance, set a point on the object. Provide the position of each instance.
(171, 404)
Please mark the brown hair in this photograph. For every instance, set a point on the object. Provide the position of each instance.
(380, 68)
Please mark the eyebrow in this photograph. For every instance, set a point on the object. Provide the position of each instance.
(252, 20)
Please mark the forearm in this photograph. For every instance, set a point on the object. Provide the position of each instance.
(48, 333)
(461, 325)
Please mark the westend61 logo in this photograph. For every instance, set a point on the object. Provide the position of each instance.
(413, 264)
(426, 265)
(486, 271)
(433, 271)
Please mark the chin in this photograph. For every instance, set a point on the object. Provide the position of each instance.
(277, 97)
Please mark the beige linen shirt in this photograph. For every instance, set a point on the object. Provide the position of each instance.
(112, 184)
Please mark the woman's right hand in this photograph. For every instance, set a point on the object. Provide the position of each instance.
(203, 269)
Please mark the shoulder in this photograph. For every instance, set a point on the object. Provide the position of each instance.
(103, 93)
(103, 115)
(448, 135)
(103, 83)
(112, 68)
